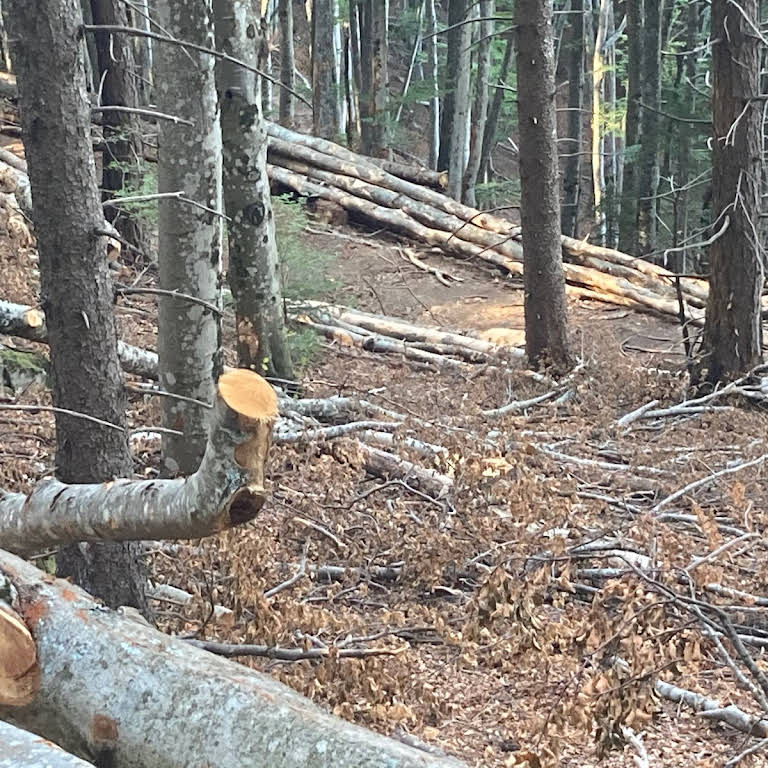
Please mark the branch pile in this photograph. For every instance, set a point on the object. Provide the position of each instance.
(313, 167)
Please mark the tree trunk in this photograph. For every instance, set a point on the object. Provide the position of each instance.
(76, 288)
(325, 88)
(648, 159)
(461, 110)
(22, 749)
(189, 159)
(253, 271)
(472, 175)
(489, 132)
(287, 63)
(127, 696)
(546, 319)
(434, 100)
(350, 90)
(122, 170)
(374, 95)
(457, 12)
(628, 213)
(143, 54)
(598, 160)
(732, 342)
(228, 488)
(264, 63)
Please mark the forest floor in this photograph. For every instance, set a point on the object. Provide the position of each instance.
(495, 657)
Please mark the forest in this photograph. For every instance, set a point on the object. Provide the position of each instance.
(382, 383)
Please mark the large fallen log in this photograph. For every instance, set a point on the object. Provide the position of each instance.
(227, 489)
(22, 749)
(118, 692)
(29, 323)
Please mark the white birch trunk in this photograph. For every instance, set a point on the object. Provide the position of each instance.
(189, 238)
(227, 489)
(434, 101)
(119, 692)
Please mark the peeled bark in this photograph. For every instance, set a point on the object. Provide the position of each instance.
(189, 242)
(253, 265)
(287, 63)
(75, 284)
(325, 86)
(22, 749)
(119, 692)
(546, 318)
(227, 489)
(732, 342)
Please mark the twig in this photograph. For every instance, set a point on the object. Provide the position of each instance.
(143, 112)
(126, 291)
(230, 650)
(640, 758)
(65, 411)
(756, 747)
(300, 572)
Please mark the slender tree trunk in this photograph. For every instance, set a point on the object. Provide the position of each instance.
(253, 266)
(325, 88)
(461, 112)
(434, 100)
(650, 124)
(350, 89)
(122, 131)
(76, 291)
(457, 12)
(598, 71)
(143, 54)
(489, 132)
(472, 175)
(189, 238)
(732, 343)
(574, 53)
(628, 214)
(374, 94)
(264, 63)
(586, 211)
(338, 65)
(546, 320)
(287, 63)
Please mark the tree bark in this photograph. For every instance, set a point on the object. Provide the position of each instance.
(22, 749)
(546, 319)
(374, 94)
(732, 342)
(120, 693)
(75, 286)
(650, 126)
(457, 12)
(228, 488)
(472, 173)
(122, 168)
(325, 86)
(189, 159)
(461, 111)
(287, 63)
(253, 271)
(434, 100)
(489, 132)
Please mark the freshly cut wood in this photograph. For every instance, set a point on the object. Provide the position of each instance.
(422, 212)
(29, 323)
(227, 489)
(110, 684)
(22, 749)
(19, 672)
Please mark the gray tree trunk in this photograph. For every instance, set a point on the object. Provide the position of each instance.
(253, 272)
(189, 238)
(461, 111)
(458, 10)
(374, 94)
(732, 342)
(76, 291)
(489, 132)
(480, 107)
(325, 86)
(434, 101)
(287, 63)
(546, 324)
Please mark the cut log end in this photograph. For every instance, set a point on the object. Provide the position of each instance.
(249, 395)
(34, 318)
(19, 672)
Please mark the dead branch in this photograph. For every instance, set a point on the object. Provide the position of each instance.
(233, 650)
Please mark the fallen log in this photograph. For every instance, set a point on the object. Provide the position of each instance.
(227, 489)
(29, 323)
(22, 749)
(117, 691)
(19, 671)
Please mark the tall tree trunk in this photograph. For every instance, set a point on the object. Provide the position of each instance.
(325, 88)
(628, 213)
(732, 343)
(480, 108)
(374, 94)
(264, 63)
(189, 238)
(458, 10)
(650, 124)
(574, 53)
(287, 63)
(434, 100)
(122, 131)
(489, 132)
(546, 320)
(461, 111)
(586, 209)
(598, 71)
(253, 267)
(143, 54)
(350, 89)
(76, 291)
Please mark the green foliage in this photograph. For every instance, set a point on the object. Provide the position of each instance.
(303, 344)
(146, 211)
(497, 193)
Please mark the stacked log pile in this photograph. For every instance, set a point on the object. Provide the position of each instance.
(388, 196)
